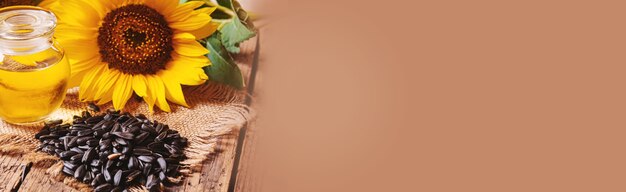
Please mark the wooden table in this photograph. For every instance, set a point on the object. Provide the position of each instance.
(222, 171)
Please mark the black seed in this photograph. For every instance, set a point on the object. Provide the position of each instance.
(69, 165)
(83, 140)
(133, 163)
(147, 167)
(77, 150)
(80, 172)
(161, 136)
(116, 189)
(121, 141)
(116, 128)
(89, 155)
(117, 178)
(76, 157)
(88, 177)
(93, 107)
(68, 171)
(124, 135)
(141, 137)
(109, 164)
(96, 163)
(132, 176)
(146, 158)
(106, 174)
(44, 137)
(85, 132)
(67, 154)
(162, 163)
(142, 152)
(97, 180)
(103, 187)
(148, 128)
(85, 114)
(93, 142)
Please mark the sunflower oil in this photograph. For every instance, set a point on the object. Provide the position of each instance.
(34, 72)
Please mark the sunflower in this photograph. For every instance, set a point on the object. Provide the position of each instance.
(120, 47)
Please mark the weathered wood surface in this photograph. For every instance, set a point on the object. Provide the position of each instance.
(214, 176)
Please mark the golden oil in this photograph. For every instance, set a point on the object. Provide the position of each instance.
(34, 72)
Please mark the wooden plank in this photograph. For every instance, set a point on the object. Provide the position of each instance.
(216, 171)
(247, 178)
(38, 180)
(10, 172)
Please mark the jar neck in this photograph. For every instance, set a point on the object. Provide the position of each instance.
(26, 46)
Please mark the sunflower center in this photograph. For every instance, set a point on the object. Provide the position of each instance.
(135, 39)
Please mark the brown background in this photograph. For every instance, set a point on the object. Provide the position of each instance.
(443, 95)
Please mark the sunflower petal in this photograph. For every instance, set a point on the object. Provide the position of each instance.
(122, 92)
(174, 93)
(184, 11)
(189, 48)
(192, 23)
(139, 85)
(165, 7)
(80, 13)
(161, 100)
(106, 82)
(88, 81)
(205, 31)
(150, 98)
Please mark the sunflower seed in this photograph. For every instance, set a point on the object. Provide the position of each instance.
(117, 178)
(80, 172)
(68, 171)
(146, 158)
(103, 187)
(124, 135)
(97, 180)
(114, 156)
(89, 155)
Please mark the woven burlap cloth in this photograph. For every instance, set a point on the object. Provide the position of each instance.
(215, 110)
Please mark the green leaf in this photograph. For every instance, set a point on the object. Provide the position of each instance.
(223, 68)
(183, 1)
(239, 29)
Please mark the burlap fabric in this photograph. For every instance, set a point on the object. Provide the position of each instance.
(215, 110)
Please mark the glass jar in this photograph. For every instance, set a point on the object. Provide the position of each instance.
(34, 72)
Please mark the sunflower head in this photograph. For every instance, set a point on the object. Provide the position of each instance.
(146, 47)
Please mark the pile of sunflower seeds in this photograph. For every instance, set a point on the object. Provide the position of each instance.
(114, 150)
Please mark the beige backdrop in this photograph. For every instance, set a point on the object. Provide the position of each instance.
(446, 95)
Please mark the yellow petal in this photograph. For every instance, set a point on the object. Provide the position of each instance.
(122, 92)
(184, 37)
(205, 31)
(73, 32)
(161, 100)
(107, 97)
(106, 81)
(189, 48)
(150, 98)
(78, 12)
(187, 76)
(165, 7)
(87, 82)
(139, 85)
(197, 61)
(191, 23)
(80, 49)
(184, 11)
(174, 92)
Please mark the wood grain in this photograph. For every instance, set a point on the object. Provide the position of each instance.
(10, 172)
